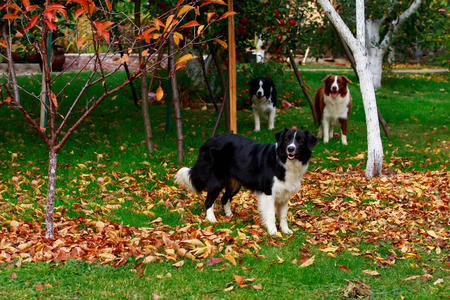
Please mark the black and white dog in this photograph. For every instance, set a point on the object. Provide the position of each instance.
(264, 100)
(272, 171)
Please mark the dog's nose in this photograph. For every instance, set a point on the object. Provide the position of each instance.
(291, 148)
(259, 93)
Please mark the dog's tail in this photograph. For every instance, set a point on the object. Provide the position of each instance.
(188, 178)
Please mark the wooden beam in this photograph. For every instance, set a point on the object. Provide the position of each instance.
(232, 69)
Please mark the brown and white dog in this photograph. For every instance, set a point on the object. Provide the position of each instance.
(332, 106)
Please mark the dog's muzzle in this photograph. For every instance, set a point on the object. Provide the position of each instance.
(334, 92)
(290, 151)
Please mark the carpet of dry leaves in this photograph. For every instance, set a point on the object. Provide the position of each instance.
(336, 211)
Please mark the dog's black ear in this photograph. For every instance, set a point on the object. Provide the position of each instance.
(279, 136)
(311, 140)
(251, 81)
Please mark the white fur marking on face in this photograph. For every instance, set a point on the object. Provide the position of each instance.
(292, 143)
(261, 90)
(335, 86)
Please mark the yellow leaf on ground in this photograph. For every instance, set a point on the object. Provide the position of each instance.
(230, 259)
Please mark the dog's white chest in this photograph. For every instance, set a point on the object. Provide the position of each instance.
(262, 105)
(284, 189)
(336, 108)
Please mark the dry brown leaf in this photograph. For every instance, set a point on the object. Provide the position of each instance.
(418, 276)
(178, 264)
(280, 260)
(239, 280)
(356, 289)
(309, 262)
(371, 272)
(229, 289)
(343, 268)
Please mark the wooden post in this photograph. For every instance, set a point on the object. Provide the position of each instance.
(232, 69)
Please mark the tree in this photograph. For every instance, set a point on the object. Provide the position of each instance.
(381, 29)
(66, 112)
(358, 47)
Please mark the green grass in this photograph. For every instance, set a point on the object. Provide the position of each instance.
(78, 280)
(110, 145)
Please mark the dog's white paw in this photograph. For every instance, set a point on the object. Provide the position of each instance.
(210, 215)
(286, 230)
(211, 220)
(272, 230)
(227, 209)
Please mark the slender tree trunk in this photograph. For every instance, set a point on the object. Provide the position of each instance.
(146, 114)
(218, 65)
(224, 85)
(12, 69)
(50, 202)
(302, 84)
(176, 102)
(225, 100)
(127, 71)
(205, 78)
(144, 85)
(52, 158)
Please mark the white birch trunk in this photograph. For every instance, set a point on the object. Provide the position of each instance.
(49, 219)
(375, 50)
(375, 58)
(358, 47)
(374, 146)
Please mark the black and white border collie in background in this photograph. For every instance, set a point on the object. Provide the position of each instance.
(332, 105)
(264, 99)
(272, 171)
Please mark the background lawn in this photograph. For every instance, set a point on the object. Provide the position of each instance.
(390, 233)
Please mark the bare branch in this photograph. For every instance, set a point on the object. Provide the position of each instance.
(396, 24)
